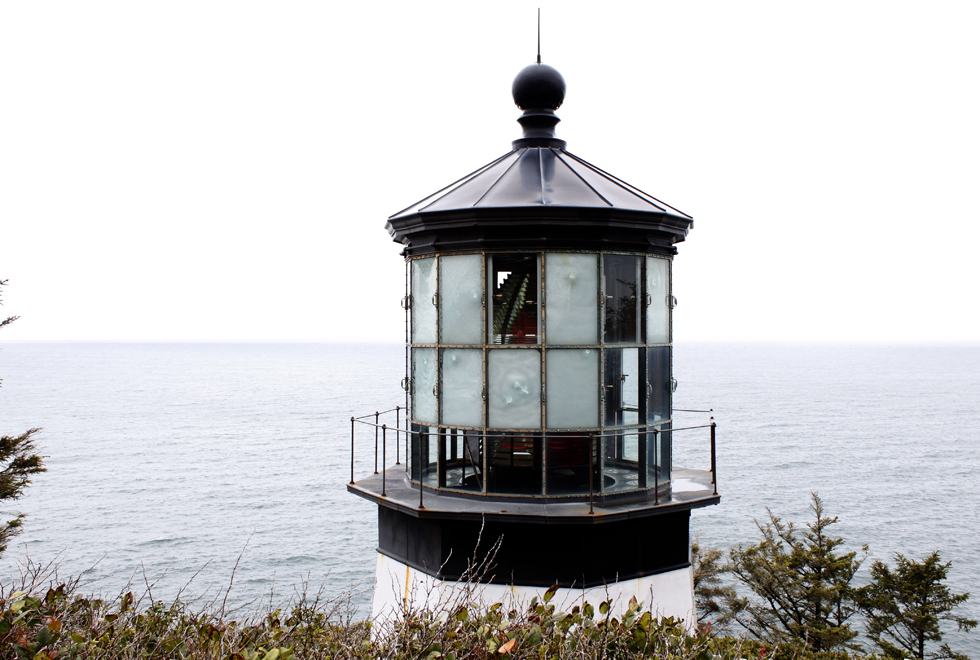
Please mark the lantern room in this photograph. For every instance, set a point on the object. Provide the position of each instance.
(540, 349)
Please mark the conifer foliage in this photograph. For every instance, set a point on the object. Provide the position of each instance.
(904, 608)
(800, 595)
(710, 592)
(801, 584)
(17, 463)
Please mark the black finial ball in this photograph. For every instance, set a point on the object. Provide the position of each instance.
(538, 86)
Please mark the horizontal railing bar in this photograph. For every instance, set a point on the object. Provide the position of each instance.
(687, 410)
(546, 434)
(390, 428)
(383, 412)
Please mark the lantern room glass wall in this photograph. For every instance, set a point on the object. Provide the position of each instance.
(536, 373)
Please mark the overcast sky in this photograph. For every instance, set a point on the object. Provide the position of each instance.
(223, 170)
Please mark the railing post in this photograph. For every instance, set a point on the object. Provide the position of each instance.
(352, 450)
(376, 415)
(714, 465)
(384, 472)
(591, 472)
(398, 436)
(656, 471)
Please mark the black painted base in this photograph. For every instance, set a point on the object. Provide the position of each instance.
(535, 554)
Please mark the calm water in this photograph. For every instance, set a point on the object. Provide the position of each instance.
(166, 459)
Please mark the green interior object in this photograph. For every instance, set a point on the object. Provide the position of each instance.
(512, 295)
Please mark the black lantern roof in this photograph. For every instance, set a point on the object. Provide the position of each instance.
(539, 195)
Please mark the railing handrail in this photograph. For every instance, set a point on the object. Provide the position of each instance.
(535, 434)
(383, 412)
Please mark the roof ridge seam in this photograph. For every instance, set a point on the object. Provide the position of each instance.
(629, 186)
(455, 183)
(622, 184)
(504, 173)
(572, 170)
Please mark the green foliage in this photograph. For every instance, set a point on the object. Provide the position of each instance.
(65, 625)
(905, 607)
(41, 623)
(56, 622)
(510, 301)
(541, 631)
(801, 584)
(9, 319)
(17, 463)
(710, 593)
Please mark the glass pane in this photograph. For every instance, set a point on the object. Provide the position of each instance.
(658, 301)
(423, 308)
(514, 464)
(658, 448)
(622, 386)
(620, 463)
(513, 310)
(423, 385)
(464, 461)
(462, 386)
(435, 445)
(461, 299)
(514, 389)
(568, 464)
(658, 384)
(423, 454)
(620, 276)
(572, 295)
(573, 388)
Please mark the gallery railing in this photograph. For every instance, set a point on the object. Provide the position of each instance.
(521, 448)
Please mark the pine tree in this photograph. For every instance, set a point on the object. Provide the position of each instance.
(905, 607)
(801, 584)
(710, 593)
(18, 462)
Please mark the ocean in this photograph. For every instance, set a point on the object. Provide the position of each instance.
(169, 463)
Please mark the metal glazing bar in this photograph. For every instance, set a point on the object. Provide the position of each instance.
(486, 312)
(656, 472)
(398, 436)
(543, 352)
(352, 450)
(441, 458)
(408, 360)
(642, 460)
(421, 474)
(376, 442)
(591, 473)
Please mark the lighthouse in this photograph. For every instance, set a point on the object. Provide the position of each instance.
(536, 438)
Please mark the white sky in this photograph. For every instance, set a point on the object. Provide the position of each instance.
(223, 170)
